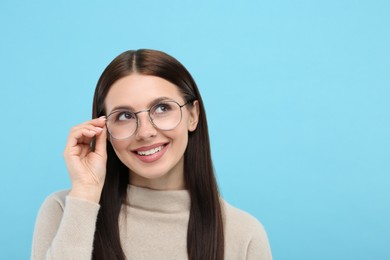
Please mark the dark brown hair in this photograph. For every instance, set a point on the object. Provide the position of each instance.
(205, 236)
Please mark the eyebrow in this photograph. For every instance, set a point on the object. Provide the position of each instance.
(151, 103)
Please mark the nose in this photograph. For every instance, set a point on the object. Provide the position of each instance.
(145, 129)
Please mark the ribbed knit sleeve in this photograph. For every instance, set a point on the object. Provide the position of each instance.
(64, 228)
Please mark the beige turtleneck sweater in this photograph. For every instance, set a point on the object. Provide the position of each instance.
(155, 227)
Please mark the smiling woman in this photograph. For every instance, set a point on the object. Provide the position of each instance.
(143, 185)
(158, 137)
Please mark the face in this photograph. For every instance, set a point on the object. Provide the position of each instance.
(154, 157)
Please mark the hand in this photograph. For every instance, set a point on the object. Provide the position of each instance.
(87, 169)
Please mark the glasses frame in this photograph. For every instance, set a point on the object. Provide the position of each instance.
(150, 118)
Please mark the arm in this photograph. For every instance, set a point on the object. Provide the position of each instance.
(65, 227)
(64, 231)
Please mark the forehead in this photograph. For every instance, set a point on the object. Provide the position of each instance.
(138, 91)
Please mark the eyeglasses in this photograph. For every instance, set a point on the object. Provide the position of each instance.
(165, 115)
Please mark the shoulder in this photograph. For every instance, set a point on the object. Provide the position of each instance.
(47, 222)
(60, 219)
(54, 203)
(244, 235)
(56, 199)
(241, 222)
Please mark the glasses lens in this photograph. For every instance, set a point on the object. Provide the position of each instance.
(166, 115)
(121, 124)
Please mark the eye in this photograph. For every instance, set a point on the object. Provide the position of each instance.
(124, 116)
(161, 108)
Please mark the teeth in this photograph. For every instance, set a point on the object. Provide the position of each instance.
(151, 151)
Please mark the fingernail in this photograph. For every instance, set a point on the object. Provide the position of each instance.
(99, 129)
(102, 118)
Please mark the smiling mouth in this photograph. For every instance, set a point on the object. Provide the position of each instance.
(151, 151)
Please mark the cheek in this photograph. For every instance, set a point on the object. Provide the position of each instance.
(182, 137)
(120, 147)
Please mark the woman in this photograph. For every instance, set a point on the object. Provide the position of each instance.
(143, 185)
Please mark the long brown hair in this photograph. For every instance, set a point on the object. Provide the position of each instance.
(205, 236)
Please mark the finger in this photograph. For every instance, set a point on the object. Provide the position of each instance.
(100, 122)
(97, 122)
(83, 135)
(101, 141)
(95, 127)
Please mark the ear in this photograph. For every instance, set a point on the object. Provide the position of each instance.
(193, 116)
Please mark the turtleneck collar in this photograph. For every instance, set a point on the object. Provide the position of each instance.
(165, 201)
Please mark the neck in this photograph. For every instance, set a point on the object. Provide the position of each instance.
(171, 180)
(171, 201)
(156, 184)
(161, 183)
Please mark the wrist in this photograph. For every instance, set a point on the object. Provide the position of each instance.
(86, 193)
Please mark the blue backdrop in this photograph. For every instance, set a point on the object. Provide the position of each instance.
(297, 95)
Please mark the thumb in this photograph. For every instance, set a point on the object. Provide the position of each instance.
(101, 142)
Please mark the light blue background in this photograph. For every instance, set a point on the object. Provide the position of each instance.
(297, 95)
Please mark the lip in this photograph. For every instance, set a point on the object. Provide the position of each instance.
(149, 147)
(153, 157)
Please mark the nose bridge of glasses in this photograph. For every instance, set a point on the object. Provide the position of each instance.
(148, 117)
